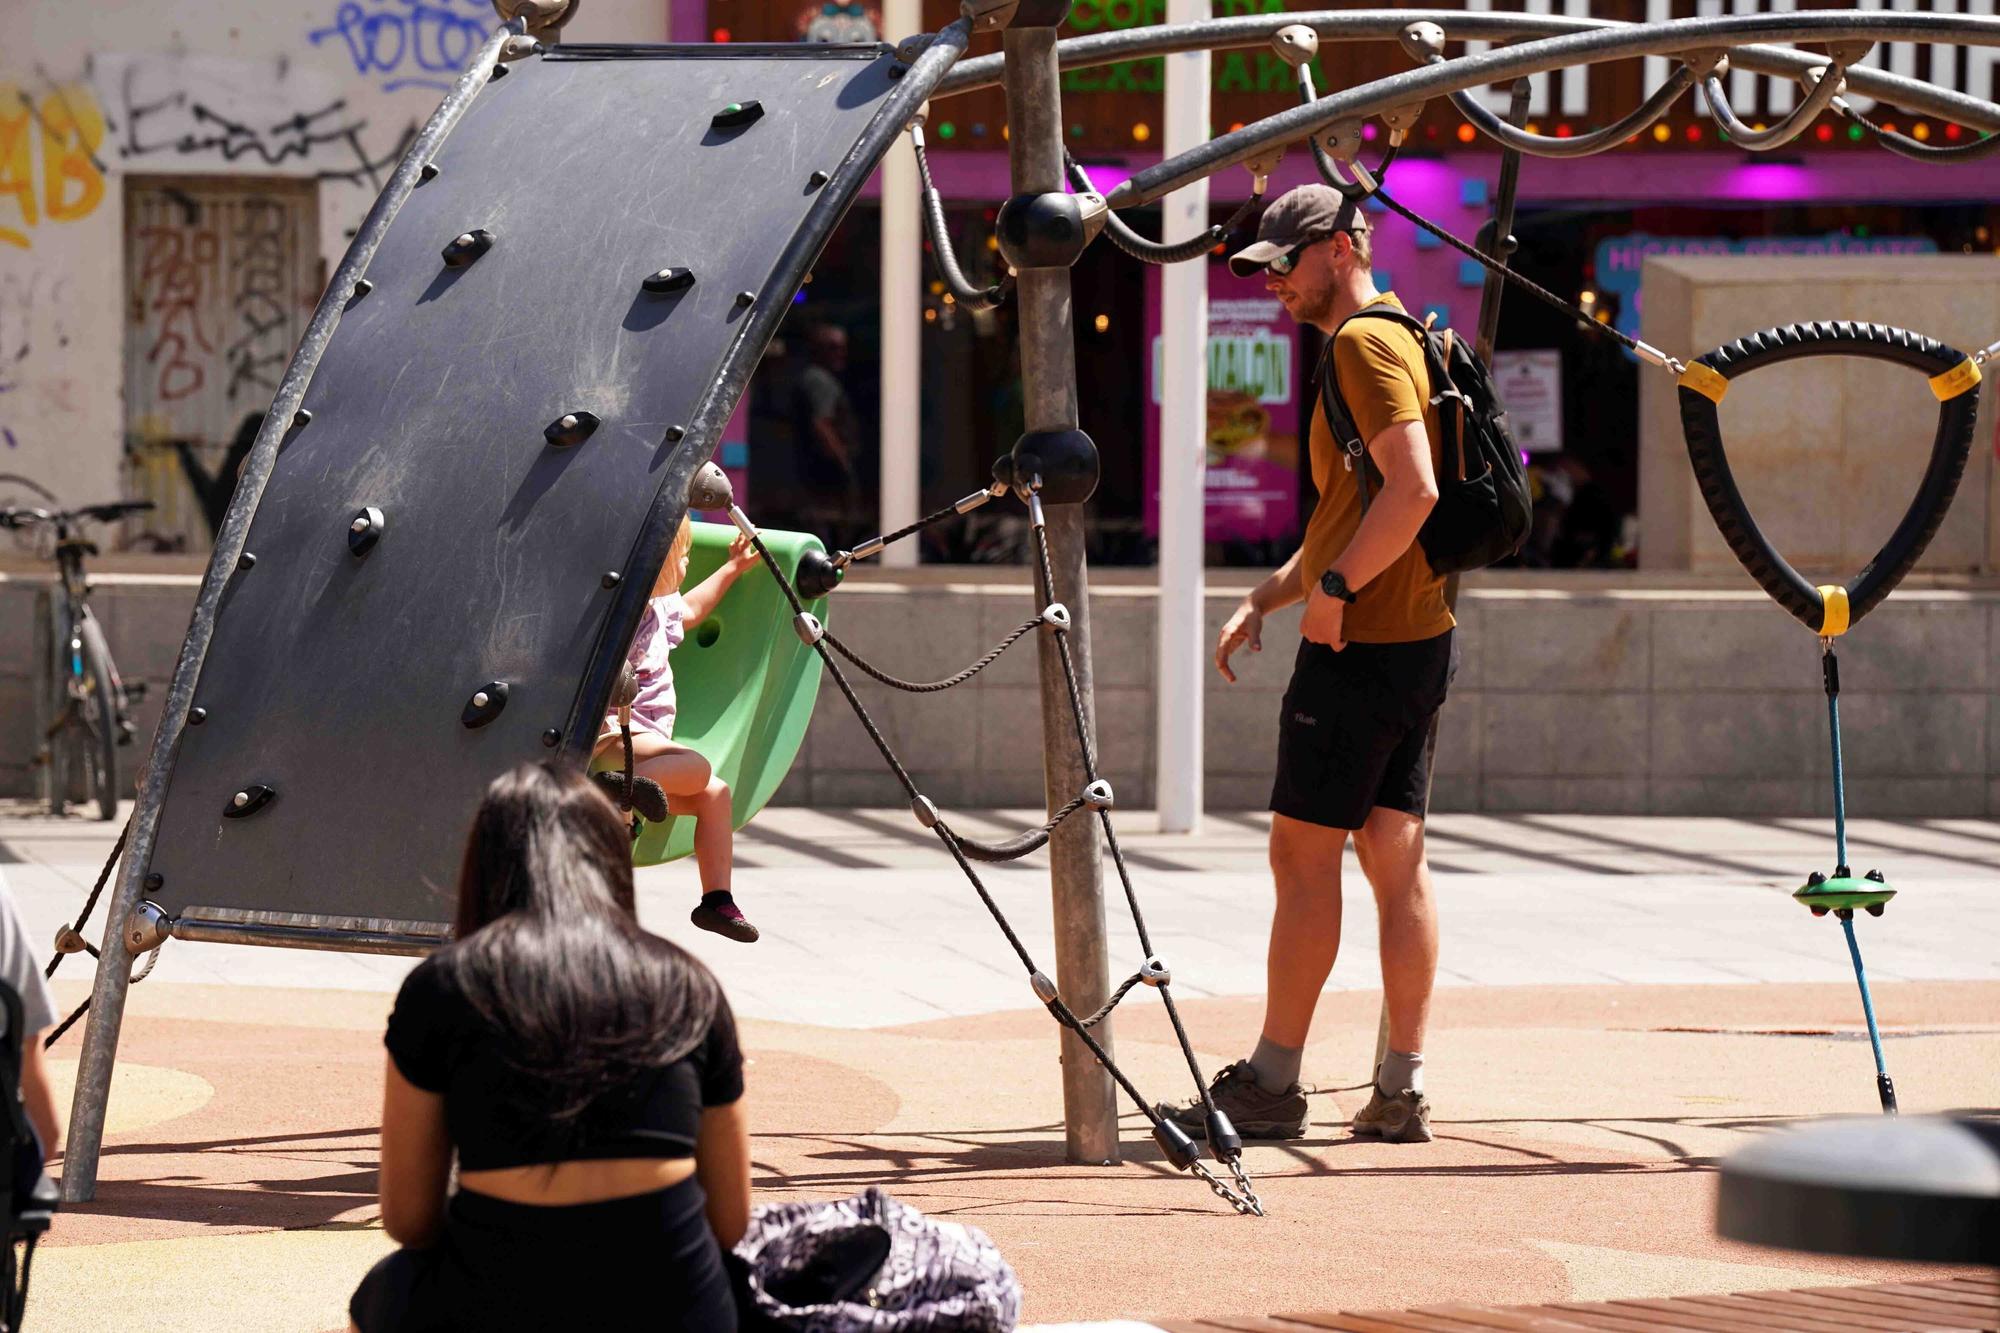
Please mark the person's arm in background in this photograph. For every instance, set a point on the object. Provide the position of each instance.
(722, 1163)
(1245, 628)
(38, 1014)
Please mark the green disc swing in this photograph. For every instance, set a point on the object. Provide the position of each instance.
(1831, 610)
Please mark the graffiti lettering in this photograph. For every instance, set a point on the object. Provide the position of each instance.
(34, 309)
(261, 279)
(423, 45)
(172, 277)
(67, 127)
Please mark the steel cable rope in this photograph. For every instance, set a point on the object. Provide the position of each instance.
(1164, 1131)
(1162, 252)
(932, 686)
(1046, 575)
(83, 919)
(963, 292)
(1904, 146)
(873, 545)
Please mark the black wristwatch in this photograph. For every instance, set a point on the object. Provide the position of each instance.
(1333, 585)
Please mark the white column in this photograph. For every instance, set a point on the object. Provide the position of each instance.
(1177, 776)
(902, 317)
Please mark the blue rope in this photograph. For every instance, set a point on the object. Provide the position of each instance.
(1867, 1003)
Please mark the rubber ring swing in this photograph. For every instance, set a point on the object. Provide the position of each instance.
(1831, 610)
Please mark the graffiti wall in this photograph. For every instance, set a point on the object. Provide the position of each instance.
(169, 207)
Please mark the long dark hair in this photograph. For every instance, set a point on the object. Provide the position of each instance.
(550, 952)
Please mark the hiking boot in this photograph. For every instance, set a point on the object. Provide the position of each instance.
(1257, 1114)
(719, 913)
(1403, 1118)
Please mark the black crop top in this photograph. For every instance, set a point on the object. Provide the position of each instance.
(441, 1044)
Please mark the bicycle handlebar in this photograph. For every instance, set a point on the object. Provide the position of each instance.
(108, 512)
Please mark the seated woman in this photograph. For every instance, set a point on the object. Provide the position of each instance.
(586, 1075)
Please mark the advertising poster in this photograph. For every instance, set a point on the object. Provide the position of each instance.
(1530, 388)
(1254, 415)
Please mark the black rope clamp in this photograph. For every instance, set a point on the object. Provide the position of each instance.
(1954, 378)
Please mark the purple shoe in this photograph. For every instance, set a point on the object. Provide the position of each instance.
(718, 912)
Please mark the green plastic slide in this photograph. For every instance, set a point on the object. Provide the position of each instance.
(744, 683)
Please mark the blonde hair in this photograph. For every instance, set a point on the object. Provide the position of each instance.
(668, 579)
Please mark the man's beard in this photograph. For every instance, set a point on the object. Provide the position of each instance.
(1315, 307)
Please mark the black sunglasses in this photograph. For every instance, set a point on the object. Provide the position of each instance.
(1289, 260)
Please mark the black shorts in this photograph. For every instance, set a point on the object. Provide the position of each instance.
(1356, 731)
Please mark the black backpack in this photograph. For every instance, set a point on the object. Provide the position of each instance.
(1484, 508)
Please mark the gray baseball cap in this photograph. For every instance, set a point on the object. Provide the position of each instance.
(1309, 213)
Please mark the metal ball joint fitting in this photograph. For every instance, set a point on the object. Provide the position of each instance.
(1063, 462)
(1041, 230)
(147, 928)
(1098, 795)
(364, 530)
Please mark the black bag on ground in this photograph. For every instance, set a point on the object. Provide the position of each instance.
(870, 1264)
(1484, 508)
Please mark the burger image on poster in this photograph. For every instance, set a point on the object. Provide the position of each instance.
(1238, 426)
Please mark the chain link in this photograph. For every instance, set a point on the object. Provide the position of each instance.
(1250, 1207)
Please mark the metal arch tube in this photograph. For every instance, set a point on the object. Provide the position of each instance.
(732, 373)
(114, 964)
(1582, 145)
(1385, 25)
(1551, 53)
(1825, 88)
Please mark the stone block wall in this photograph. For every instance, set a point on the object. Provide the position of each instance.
(1573, 695)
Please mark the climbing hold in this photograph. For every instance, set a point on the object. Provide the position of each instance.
(467, 246)
(302, 417)
(197, 716)
(155, 882)
(1175, 1143)
(499, 73)
(485, 704)
(1843, 892)
(248, 802)
(428, 173)
(668, 280)
(612, 578)
(736, 115)
(810, 631)
(926, 813)
(365, 530)
(571, 428)
(362, 287)
(552, 738)
(817, 574)
(1098, 795)
(675, 434)
(246, 561)
(744, 300)
(817, 179)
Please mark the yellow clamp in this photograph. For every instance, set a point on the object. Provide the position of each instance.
(1955, 381)
(1707, 381)
(1832, 611)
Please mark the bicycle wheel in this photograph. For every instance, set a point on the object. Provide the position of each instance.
(99, 737)
(51, 698)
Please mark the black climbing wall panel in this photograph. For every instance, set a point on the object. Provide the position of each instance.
(482, 442)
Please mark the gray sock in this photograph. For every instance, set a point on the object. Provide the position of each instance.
(1276, 1067)
(1400, 1070)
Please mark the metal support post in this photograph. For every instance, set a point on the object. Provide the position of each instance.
(1048, 375)
(1177, 769)
(902, 321)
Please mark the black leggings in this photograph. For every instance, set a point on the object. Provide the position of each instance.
(501, 1266)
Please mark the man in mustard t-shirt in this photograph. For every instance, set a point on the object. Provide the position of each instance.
(1376, 657)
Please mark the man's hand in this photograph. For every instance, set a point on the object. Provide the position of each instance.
(1322, 620)
(1245, 629)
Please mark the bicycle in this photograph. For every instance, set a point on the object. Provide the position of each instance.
(83, 708)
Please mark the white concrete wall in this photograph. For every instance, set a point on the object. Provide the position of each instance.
(91, 93)
(1827, 451)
